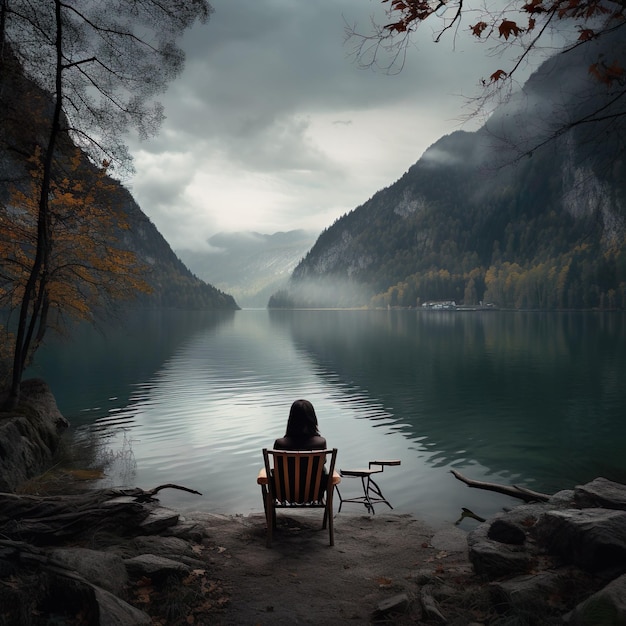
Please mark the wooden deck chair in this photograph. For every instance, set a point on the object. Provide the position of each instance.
(298, 479)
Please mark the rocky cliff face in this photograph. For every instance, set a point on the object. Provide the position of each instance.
(585, 194)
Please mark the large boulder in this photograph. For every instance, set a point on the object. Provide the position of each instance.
(607, 606)
(593, 539)
(30, 435)
(102, 569)
(545, 557)
(601, 492)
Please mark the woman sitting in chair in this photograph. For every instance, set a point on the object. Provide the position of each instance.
(292, 475)
(302, 431)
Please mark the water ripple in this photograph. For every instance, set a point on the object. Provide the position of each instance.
(489, 396)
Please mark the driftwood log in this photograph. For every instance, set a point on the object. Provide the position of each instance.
(508, 490)
(45, 520)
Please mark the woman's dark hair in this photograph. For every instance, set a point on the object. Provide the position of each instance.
(302, 422)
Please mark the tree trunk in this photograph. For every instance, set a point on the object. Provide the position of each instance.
(36, 286)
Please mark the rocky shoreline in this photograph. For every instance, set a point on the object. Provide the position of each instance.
(117, 557)
(30, 436)
(565, 557)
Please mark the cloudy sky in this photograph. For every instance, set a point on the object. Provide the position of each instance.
(274, 126)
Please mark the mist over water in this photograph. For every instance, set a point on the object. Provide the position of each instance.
(533, 399)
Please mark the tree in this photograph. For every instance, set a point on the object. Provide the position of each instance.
(530, 26)
(102, 64)
(87, 268)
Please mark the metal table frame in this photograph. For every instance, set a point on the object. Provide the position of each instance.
(372, 493)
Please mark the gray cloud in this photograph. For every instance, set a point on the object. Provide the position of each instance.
(273, 126)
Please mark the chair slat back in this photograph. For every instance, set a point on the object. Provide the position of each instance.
(299, 477)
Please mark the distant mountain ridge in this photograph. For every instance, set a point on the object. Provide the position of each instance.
(482, 216)
(249, 265)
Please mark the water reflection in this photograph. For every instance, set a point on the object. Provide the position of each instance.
(534, 399)
(532, 396)
(94, 370)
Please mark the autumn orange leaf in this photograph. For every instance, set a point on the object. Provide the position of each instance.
(478, 28)
(508, 28)
(586, 34)
(497, 75)
(534, 6)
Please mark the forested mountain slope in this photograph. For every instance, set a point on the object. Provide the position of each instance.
(25, 110)
(493, 215)
(173, 283)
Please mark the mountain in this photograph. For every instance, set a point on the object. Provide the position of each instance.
(23, 131)
(502, 215)
(249, 265)
(174, 285)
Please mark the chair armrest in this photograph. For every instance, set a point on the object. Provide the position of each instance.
(336, 478)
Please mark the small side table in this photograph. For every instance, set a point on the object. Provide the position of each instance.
(372, 493)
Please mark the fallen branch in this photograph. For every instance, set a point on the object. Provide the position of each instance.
(467, 513)
(508, 490)
(148, 495)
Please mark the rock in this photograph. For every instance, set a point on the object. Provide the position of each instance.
(30, 435)
(548, 555)
(115, 612)
(103, 569)
(593, 539)
(154, 567)
(492, 559)
(188, 530)
(505, 531)
(158, 520)
(172, 548)
(603, 493)
(538, 593)
(395, 604)
(607, 606)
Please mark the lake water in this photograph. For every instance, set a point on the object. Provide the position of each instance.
(534, 399)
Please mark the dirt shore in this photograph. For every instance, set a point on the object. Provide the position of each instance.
(382, 569)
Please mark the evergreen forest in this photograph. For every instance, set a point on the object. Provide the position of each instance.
(499, 216)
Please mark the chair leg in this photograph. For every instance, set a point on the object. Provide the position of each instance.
(331, 530)
(264, 498)
(270, 516)
(328, 516)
